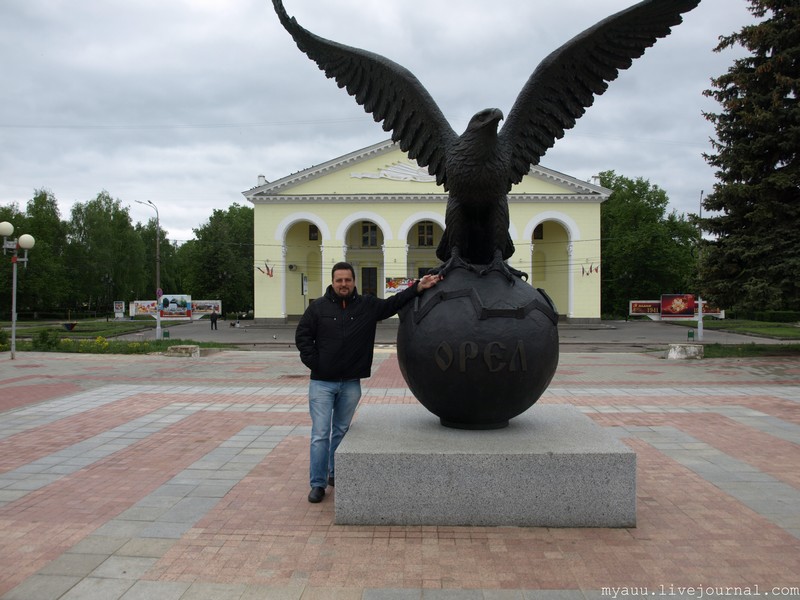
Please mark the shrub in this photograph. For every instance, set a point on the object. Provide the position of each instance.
(46, 340)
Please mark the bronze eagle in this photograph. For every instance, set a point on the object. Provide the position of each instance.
(479, 167)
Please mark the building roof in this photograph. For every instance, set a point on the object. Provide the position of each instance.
(387, 178)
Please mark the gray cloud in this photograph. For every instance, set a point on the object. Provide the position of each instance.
(185, 102)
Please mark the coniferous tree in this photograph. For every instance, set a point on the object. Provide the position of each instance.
(753, 259)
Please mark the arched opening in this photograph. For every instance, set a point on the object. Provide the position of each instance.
(364, 241)
(303, 266)
(551, 262)
(422, 240)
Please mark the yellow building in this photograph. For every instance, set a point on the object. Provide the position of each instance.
(378, 210)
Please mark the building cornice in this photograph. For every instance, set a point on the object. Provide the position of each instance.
(419, 199)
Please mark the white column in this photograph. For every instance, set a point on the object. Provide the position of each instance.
(284, 277)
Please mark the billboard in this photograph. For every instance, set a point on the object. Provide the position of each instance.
(677, 306)
(712, 311)
(397, 284)
(176, 307)
(672, 306)
(644, 307)
(205, 307)
(143, 307)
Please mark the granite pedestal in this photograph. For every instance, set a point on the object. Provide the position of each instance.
(551, 467)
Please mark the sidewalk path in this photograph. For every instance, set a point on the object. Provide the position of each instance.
(151, 477)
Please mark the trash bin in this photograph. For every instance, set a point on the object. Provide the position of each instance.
(165, 334)
(690, 335)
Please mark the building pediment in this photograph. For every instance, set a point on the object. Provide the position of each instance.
(384, 170)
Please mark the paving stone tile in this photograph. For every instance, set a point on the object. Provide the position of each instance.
(77, 565)
(98, 544)
(93, 588)
(214, 591)
(145, 547)
(184, 475)
(156, 590)
(124, 567)
(43, 587)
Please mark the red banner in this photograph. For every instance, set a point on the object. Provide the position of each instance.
(644, 307)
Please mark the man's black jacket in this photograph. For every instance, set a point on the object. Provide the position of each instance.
(336, 338)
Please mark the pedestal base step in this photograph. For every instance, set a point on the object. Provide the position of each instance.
(551, 467)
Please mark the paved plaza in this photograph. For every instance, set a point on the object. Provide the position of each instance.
(169, 478)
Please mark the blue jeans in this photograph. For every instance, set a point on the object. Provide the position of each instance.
(332, 405)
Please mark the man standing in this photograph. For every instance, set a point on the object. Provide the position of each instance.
(214, 316)
(336, 336)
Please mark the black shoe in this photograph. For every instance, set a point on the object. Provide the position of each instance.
(316, 494)
(331, 482)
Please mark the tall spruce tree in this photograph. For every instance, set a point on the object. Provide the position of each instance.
(753, 259)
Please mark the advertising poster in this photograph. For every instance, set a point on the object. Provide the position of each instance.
(397, 284)
(712, 311)
(205, 307)
(677, 306)
(143, 307)
(673, 306)
(175, 306)
(644, 307)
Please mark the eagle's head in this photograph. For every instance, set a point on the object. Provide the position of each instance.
(488, 117)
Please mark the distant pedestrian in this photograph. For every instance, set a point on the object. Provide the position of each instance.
(214, 316)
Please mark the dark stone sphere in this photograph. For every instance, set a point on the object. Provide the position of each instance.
(477, 350)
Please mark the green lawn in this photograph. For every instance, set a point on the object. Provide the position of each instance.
(97, 336)
(90, 328)
(91, 337)
(778, 331)
(742, 350)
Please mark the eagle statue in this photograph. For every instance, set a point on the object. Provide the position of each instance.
(479, 167)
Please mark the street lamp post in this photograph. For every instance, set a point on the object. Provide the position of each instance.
(158, 266)
(24, 242)
(699, 297)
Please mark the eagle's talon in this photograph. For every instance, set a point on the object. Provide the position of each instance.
(454, 262)
(502, 267)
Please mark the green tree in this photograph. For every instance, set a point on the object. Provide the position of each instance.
(42, 285)
(48, 285)
(181, 266)
(220, 260)
(12, 214)
(169, 276)
(105, 253)
(646, 252)
(753, 258)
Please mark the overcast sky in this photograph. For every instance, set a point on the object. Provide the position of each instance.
(186, 102)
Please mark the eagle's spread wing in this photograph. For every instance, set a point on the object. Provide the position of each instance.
(386, 90)
(566, 82)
